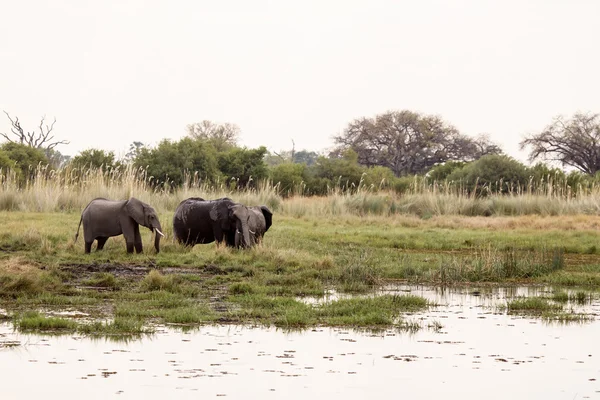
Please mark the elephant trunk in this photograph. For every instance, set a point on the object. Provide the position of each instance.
(157, 235)
(242, 236)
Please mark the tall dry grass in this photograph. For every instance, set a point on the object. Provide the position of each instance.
(70, 190)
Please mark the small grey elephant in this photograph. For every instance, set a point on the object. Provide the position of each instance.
(261, 219)
(104, 218)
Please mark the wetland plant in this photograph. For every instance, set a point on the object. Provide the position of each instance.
(35, 321)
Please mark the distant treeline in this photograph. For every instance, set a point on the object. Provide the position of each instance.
(393, 151)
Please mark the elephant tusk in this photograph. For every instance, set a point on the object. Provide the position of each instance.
(159, 232)
(252, 232)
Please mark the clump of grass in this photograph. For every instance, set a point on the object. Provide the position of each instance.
(579, 297)
(34, 321)
(571, 278)
(560, 297)
(359, 277)
(369, 311)
(188, 315)
(118, 326)
(280, 311)
(103, 280)
(50, 299)
(30, 282)
(155, 281)
(493, 265)
(237, 288)
(532, 304)
(566, 317)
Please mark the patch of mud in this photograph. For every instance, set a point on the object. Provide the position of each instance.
(136, 272)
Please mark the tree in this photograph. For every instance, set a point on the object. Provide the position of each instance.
(243, 165)
(574, 142)
(408, 142)
(495, 173)
(291, 156)
(134, 150)
(222, 136)
(306, 157)
(170, 161)
(289, 177)
(93, 159)
(44, 139)
(25, 158)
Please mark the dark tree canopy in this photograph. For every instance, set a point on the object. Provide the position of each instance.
(573, 142)
(23, 159)
(94, 158)
(170, 161)
(409, 143)
(246, 166)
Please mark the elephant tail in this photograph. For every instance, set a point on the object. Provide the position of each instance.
(78, 226)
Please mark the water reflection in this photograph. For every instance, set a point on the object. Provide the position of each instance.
(478, 353)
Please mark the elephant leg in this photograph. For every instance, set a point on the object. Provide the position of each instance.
(101, 241)
(88, 246)
(137, 239)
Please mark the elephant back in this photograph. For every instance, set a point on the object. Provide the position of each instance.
(191, 221)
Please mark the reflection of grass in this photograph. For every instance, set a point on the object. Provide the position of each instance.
(566, 317)
(579, 297)
(547, 310)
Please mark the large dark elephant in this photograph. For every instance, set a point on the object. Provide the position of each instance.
(204, 221)
(104, 218)
(261, 219)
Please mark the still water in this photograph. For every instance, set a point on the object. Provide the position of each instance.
(479, 353)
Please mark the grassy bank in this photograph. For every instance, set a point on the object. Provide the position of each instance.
(42, 268)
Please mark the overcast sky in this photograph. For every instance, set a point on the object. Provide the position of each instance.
(117, 71)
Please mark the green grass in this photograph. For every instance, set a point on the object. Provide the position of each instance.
(34, 321)
(377, 311)
(119, 326)
(533, 305)
(549, 310)
(103, 280)
(579, 297)
(301, 256)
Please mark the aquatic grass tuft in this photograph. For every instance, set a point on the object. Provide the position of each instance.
(35, 321)
(532, 304)
(494, 265)
(118, 326)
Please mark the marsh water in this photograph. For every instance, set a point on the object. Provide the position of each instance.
(479, 352)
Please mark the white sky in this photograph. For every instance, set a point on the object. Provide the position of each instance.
(114, 71)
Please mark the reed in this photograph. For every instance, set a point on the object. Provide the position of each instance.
(70, 190)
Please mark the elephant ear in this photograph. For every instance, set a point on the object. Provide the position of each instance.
(220, 213)
(135, 209)
(268, 216)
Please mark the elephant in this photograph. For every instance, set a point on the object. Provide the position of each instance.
(103, 218)
(198, 221)
(261, 219)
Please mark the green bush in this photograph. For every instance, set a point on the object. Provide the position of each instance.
(492, 173)
(289, 177)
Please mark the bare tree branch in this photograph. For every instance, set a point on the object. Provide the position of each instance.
(43, 139)
(574, 142)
